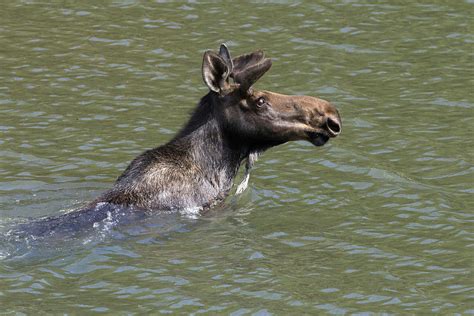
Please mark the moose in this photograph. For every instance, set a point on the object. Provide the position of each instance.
(232, 123)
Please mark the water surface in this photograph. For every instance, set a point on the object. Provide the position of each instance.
(379, 220)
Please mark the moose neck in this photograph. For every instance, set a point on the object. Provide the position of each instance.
(211, 149)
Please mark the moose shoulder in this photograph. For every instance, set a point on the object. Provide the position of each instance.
(232, 123)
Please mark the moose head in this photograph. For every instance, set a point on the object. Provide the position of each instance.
(262, 118)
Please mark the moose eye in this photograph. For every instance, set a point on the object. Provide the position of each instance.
(261, 101)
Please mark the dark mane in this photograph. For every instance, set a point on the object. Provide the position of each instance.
(200, 116)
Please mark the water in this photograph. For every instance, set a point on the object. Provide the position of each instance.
(380, 220)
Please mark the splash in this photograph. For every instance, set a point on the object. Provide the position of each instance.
(191, 212)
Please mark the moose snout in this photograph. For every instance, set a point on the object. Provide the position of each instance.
(333, 125)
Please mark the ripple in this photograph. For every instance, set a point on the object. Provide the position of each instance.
(376, 221)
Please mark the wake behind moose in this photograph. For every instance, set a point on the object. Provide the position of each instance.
(232, 124)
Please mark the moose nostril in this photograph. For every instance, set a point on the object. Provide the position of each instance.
(333, 126)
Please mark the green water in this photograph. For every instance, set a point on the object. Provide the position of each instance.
(379, 220)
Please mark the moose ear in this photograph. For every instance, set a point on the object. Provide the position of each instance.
(247, 77)
(243, 61)
(215, 72)
(225, 55)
